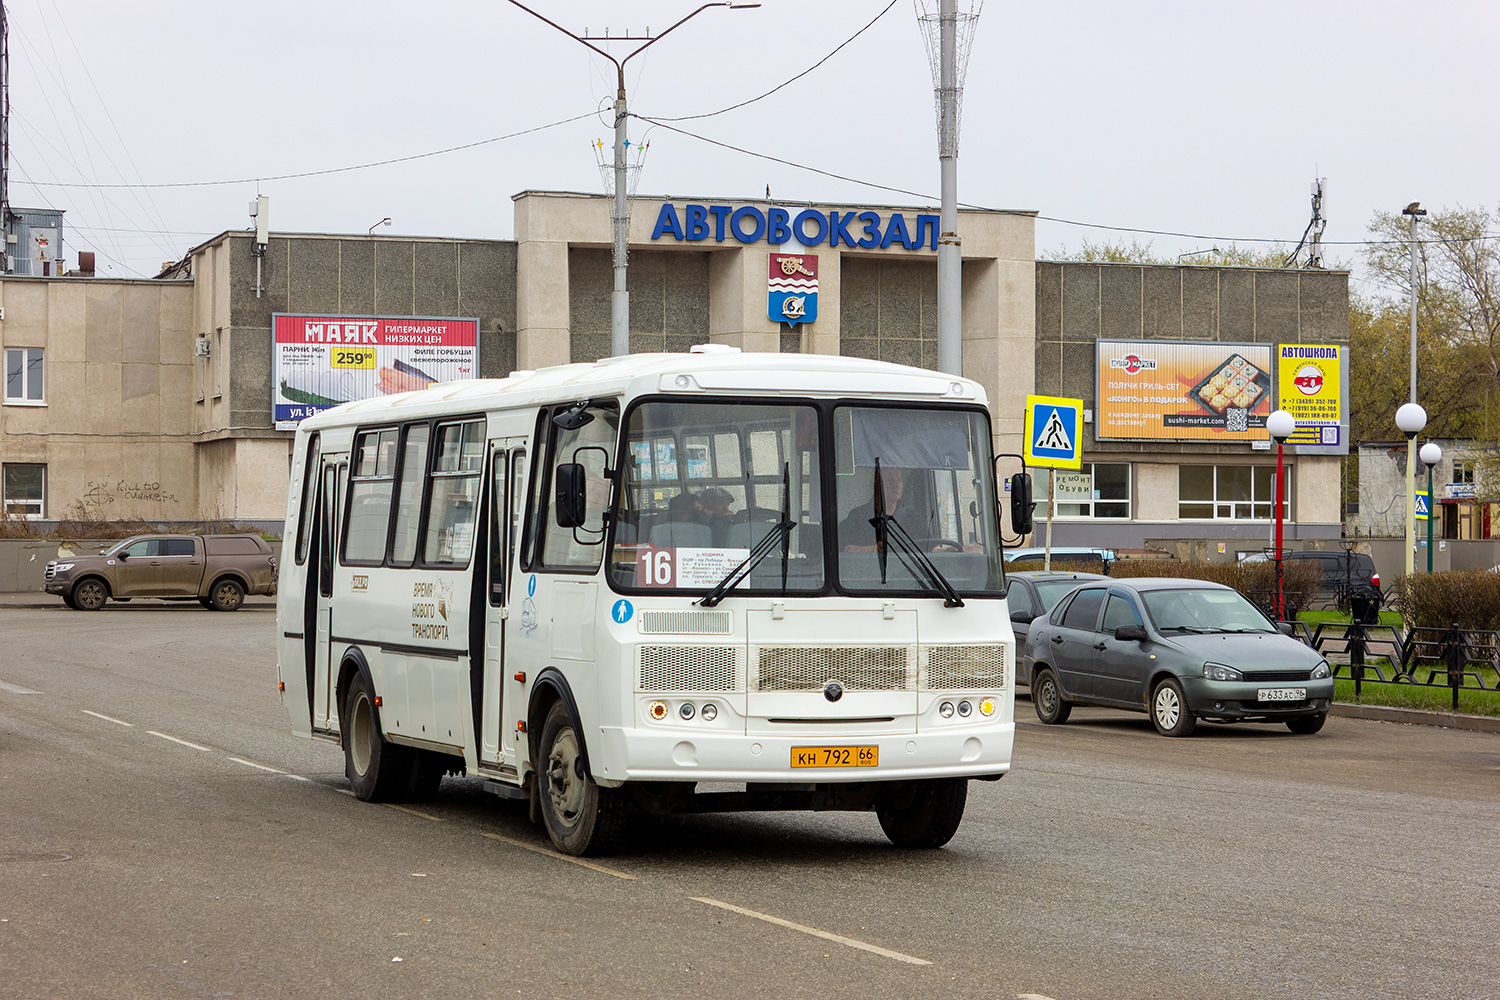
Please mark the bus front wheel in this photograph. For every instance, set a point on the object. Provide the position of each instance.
(581, 818)
(923, 814)
(377, 770)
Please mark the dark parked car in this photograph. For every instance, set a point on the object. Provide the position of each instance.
(1349, 578)
(1033, 593)
(1180, 650)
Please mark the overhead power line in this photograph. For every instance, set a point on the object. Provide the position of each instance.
(320, 173)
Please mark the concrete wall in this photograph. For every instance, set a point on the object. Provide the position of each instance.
(115, 433)
(669, 301)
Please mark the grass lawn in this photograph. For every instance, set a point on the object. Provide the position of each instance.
(1436, 698)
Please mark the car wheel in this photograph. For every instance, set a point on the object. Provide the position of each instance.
(377, 770)
(580, 817)
(925, 814)
(1307, 724)
(227, 595)
(89, 594)
(1047, 699)
(1169, 710)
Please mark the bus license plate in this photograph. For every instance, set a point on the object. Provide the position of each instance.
(835, 756)
(1281, 694)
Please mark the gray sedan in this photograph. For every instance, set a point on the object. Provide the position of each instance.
(1032, 593)
(1180, 650)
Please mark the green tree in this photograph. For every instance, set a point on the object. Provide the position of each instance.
(1232, 255)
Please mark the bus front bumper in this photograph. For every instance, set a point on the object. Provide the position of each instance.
(640, 755)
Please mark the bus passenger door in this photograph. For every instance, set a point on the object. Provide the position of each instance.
(505, 466)
(325, 714)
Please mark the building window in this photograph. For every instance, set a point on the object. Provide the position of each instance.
(25, 489)
(1463, 472)
(23, 376)
(1229, 492)
(1098, 489)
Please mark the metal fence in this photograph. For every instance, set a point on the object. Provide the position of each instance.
(1389, 654)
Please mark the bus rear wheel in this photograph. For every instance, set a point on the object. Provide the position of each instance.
(378, 771)
(924, 814)
(580, 817)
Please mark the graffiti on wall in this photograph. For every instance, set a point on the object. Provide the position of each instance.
(101, 493)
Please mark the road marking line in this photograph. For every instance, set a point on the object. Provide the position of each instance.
(263, 767)
(106, 718)
(414, 812)
(825, 935)
(560, 857)
(16, 689)
(1032, 996)
(185, 743)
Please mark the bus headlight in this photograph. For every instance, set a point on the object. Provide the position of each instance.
(658, 710)
(946, 710)
(709, 713)
(687, 710)
(964, 708)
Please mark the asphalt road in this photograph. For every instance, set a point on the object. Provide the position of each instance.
(162, 834)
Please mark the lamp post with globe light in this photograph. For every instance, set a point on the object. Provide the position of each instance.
(1431, 455)
(1410, 419)
(1280, 426)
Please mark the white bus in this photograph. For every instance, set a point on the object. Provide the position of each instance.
(660, 583)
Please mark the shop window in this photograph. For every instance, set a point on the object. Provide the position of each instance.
(25, 489)
(1230, 493)
(1097, 490)
(24, 384)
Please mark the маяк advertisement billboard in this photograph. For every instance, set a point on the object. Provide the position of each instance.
(321, 361)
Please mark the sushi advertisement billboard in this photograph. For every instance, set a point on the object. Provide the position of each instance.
(321, 361)
(1155, 390)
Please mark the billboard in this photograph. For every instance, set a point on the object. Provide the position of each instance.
(1163, 390)
(319, 362)
(1310, 379)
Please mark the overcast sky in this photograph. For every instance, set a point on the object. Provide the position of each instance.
(1182, 117)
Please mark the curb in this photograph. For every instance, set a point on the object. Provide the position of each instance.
(1417, 717)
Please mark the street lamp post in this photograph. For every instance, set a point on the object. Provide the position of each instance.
(1280, 426)
(1416, 212)
(1431, 455)
(619, 306)
(1410, 419)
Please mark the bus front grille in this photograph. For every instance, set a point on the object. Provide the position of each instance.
(689, 668)
(687, 622)
(965, 668)
(857, 668)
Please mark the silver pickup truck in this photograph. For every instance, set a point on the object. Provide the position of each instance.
(216, 570)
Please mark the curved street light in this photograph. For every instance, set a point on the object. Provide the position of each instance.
(1410, 419)
(619, 311)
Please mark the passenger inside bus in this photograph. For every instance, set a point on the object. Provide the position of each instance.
(685, 526)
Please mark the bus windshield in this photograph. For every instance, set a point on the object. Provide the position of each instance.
(705, 482)
(914, 494)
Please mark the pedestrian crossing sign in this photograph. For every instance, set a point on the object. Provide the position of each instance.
(1422, 507)
(1053, 432)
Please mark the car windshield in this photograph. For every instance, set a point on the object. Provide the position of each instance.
(1199, 609)
(1052, 591)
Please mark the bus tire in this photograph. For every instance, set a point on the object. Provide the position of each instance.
(924, 814)
(90, 593)
(377, 770)
(581, 818)
(226, 594)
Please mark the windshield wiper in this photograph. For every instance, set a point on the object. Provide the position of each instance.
(1196, 629)
(888, 529)
(779, 535)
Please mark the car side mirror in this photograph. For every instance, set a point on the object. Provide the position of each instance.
(1021, 504)
(1129, 633)
(1285, 628)
(122, 555)
(1023, 617)
(572, 506)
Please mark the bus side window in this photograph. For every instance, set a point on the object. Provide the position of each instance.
(590, 444)
(309, 492)
(367, 525)
(499, 524)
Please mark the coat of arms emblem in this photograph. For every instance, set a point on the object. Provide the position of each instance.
(793, 288)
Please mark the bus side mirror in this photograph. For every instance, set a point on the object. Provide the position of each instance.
(572, 507)
(1021, 503)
